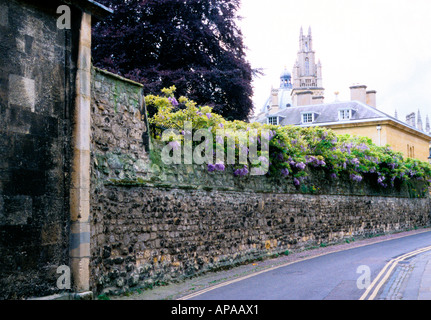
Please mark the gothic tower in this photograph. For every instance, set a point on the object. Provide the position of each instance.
(306, 74)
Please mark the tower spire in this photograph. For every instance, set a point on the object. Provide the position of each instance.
(419, 126)
(307, 74)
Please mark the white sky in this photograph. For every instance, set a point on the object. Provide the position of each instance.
(384, 44)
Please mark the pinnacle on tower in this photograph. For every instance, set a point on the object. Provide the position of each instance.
(427, 125)
(309, 30)
(419, 126)
(396, 114)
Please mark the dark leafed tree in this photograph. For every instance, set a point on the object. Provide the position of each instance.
(195, 45)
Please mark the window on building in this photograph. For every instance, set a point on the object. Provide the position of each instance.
(410, 151)
(307, 117)
(273, 120)
(307, 66)
(345, 114)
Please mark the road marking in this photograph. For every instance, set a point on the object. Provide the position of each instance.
(195, 294)
(389, 267)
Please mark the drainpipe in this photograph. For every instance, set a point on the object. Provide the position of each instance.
(79, 249)
(379, 129)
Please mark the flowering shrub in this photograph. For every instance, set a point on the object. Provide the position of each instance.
(292, 150)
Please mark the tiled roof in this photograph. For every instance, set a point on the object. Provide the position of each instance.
(328, 114)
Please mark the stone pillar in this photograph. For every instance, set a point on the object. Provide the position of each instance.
(80, 173)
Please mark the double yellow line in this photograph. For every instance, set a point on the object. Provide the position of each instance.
(386, 272)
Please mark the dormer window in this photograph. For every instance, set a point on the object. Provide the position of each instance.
(307, 117)
(345, 114)
(273, 120)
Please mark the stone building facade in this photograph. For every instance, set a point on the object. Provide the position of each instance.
(39, 67)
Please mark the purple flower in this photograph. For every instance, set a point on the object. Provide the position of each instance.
(221, 125)
(296, 182)
(356, 177)
(198, 113)
(309, 159)
(209, 115)
(354, 161)
(285, 172)
(173, 101)
(211, 167)
(392, 165)
(175, 145)
(300, 165)
(333, 175)
(321, 163)
(219, 166)
(241, 172)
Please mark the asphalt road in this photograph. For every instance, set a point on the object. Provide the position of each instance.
(334, 276)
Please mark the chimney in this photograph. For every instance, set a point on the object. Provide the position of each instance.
(304, 98)
(274, 101)
(371, 98)
(359, 93)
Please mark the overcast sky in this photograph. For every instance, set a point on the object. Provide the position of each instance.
(384, 44)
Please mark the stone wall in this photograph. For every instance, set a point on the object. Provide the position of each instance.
(144, 234)
(36, 100)
(119, 128)
(153, 223)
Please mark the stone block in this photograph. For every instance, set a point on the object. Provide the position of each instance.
(22, 92)
(15, 210)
